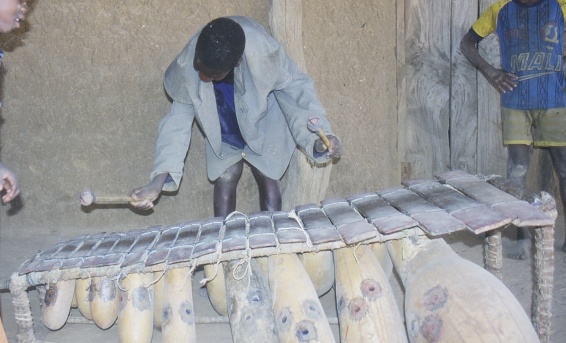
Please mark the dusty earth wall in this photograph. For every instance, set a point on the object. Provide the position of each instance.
(82, 97)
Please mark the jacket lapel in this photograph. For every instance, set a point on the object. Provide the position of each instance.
(207, 114)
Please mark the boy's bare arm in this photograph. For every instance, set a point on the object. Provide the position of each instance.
(499, 79)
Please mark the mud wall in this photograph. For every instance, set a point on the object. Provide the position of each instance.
(82, 96)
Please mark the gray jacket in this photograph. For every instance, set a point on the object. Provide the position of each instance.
(273, 101)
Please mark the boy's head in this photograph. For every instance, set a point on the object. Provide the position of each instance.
(219, 49)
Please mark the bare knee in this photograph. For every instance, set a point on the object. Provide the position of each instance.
(269, 192)
(225, 190)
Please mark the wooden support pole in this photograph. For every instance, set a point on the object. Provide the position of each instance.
(493, 253)
(306, 182)
(544, 276)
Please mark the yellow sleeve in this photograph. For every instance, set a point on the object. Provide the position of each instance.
(487, 22)
(562, 4)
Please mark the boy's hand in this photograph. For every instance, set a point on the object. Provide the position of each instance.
(8, 184)
(334, 149)
(502, 81)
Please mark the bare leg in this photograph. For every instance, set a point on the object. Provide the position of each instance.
(269, 192)
(225, 190)
(517, 168)
(558, 155)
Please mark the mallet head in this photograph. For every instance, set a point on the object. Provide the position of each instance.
(86, 197)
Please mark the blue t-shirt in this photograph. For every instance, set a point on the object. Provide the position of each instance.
(229, 128)
(531, 42)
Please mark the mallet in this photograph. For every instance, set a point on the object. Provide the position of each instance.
(88, 198)
(314, 126)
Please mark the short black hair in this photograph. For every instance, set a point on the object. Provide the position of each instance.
(220, 44)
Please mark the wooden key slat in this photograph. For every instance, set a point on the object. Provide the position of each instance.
(183, 247)
(287, 229)
(477, 216)
(141, 247)
(235, 235)
(443, 196)
(209, 238)
(521, 212)
(262, 234)
(433, 220)
(380, 214)
(350, 224)
(317, 224)
(407, 202)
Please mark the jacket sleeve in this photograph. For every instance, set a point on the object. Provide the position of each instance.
(298, 101)
(173, 139)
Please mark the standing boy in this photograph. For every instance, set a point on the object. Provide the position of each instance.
(531, 83)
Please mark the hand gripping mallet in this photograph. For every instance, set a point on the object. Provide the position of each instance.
(314, 126)
(88, 198)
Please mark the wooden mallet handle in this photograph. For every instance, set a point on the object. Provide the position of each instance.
(87, 198)
(314, 126)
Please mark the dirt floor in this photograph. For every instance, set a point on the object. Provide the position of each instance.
(517, 275)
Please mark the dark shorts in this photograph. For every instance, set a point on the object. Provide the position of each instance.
(542, 128)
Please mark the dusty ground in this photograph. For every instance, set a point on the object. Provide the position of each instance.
(517, 276)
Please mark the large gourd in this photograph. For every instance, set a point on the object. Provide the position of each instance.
(178, 310)
(320, 267)
(158, 300)
(367, 309)
(135, 319)
(57, 304)
(249, 303)
(382, 254)
(105, 302)
(450, 299)
(83, 296)
(216, 288)
(299, 315)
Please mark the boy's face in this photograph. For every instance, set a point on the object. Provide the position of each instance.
(12, 12)
(206, 74)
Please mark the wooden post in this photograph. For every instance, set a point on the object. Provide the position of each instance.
(544, 275)
(306, 183)
(493, 253)
(491, 153)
